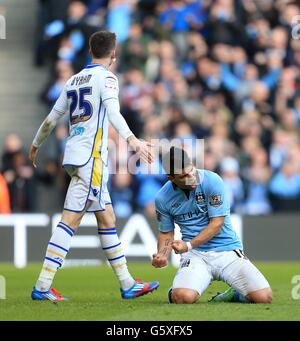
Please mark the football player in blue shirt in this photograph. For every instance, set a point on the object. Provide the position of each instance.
(210, 249)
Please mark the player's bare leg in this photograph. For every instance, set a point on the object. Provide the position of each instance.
(112, 247)
(261, 296)
(106, 218)
(72, 219)
(183, 296)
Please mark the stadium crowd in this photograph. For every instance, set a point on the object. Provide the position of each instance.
(224, 71)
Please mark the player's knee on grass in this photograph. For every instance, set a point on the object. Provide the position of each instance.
(261, 296)
(184, 296)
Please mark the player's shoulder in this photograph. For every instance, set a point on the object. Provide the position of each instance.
(76, 78)
(108, 73)
(71, 80)
(210, 177)
(210, 174)
(110, 80)
(163, 192)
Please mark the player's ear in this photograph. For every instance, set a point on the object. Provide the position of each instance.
(113, 56)
(90, 53)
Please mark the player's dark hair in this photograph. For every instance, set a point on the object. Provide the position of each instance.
(102, 43)
(175, 161)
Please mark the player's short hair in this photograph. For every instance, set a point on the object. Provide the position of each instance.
(175, 161)
(102, 43)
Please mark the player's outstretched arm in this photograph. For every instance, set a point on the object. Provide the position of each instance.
(160, 259)
(43, 132)
(142, 148)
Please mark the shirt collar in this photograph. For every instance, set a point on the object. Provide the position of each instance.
(90, 66)
(187, 192)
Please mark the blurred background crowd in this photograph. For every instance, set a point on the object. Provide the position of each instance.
(224, 71)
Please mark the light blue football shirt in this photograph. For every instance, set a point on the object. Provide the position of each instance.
(192, 211)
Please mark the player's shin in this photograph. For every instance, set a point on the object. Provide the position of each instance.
(113, 250)
(57, 250)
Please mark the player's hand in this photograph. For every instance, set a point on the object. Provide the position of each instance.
(179, 246)
(32, 154)
(159, 260)
(142, 148)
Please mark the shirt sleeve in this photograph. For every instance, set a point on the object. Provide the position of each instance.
(164, 219)
(217, 202)
(46, 127)
(110, 87)
(116, 119)
(61, 105)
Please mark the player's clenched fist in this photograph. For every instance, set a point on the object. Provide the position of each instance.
(159, 260)
(179, 246)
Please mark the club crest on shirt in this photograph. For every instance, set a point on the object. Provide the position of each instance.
(215, 200)
(199, 197)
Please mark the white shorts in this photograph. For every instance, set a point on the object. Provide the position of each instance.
(198, 269)
(88, 182)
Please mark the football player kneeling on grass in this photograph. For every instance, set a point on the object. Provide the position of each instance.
(210, 249)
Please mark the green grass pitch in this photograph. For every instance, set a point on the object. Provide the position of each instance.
(94, 295)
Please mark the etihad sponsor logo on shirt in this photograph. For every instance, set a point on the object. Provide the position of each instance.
(189, 215)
